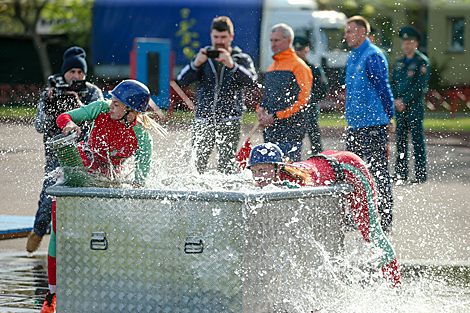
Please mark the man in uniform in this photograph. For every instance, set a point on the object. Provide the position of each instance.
(409, 85)
(319, 91)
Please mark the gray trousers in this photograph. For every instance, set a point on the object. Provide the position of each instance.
(223, 135)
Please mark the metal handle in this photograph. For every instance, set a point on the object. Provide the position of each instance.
(193, 245)
(98, 240)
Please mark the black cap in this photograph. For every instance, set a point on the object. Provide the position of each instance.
(409, 32)
(300, 43)
(74, 58)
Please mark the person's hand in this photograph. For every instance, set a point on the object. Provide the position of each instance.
(225, 58)
(391, 126)
(399, 105)
(78, 102)
(260, 113)
(50, 92)
(265, 119)
(200, 58)
(71, 126)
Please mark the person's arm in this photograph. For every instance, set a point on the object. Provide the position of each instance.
(40, 119)
(143, 155)
(244, 71)
(193, 71)
(319, 85)
(378, 75)
(84, 113)
(94, 94)
(304, 78)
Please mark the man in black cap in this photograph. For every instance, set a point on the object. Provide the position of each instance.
(409, 85)
(318, 92)
(57, 99)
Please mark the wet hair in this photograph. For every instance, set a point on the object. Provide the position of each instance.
(285, 29)
(361, 22)
(221, 24)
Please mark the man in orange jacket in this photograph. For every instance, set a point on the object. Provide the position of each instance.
(288, 82)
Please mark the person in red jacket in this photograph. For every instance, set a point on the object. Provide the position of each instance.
(119, 131)
(328, 168)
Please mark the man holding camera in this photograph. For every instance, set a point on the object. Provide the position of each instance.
(222, 73)
(66, 92)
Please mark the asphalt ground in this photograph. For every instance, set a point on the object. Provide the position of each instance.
(431, 220)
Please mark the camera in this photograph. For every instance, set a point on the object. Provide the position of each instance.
(212, 54)
(61, 100)
(61, 86)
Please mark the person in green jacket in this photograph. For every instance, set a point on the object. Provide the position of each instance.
(409, 85)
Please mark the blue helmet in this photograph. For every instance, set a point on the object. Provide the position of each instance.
(265, 153)
(132, 93)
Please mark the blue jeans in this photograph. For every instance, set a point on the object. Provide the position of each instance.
(293, 150)
(370, 144)
(42, 221)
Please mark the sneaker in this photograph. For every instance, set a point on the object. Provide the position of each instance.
(49, 303)
(33, 242)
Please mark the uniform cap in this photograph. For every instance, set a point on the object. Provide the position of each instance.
(409, 32)
(300, 43)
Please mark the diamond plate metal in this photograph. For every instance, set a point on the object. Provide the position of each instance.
(256, 254)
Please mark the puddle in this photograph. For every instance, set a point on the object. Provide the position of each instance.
(23, 282)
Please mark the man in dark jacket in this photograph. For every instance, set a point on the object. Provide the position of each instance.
(319, 91)
(222, 73)
(288, 82)
(57, 99)
(409, 85)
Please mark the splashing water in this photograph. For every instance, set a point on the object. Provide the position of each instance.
(353, 283)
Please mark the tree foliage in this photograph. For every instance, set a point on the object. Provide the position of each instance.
(74, 18)
(71, 17)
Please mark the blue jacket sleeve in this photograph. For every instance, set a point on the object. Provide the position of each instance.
(189, 74)
(378, 74)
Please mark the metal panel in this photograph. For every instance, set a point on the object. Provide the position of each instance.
(188, 253)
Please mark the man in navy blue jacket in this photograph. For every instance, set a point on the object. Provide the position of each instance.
(222, 75)
(369, 108)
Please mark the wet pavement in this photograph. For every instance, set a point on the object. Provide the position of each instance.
(23, 282)
(431, 222)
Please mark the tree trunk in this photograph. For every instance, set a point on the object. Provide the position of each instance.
(41, 48)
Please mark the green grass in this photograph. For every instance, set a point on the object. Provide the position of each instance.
(458, 124)
(17, 112)
(436, 121)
